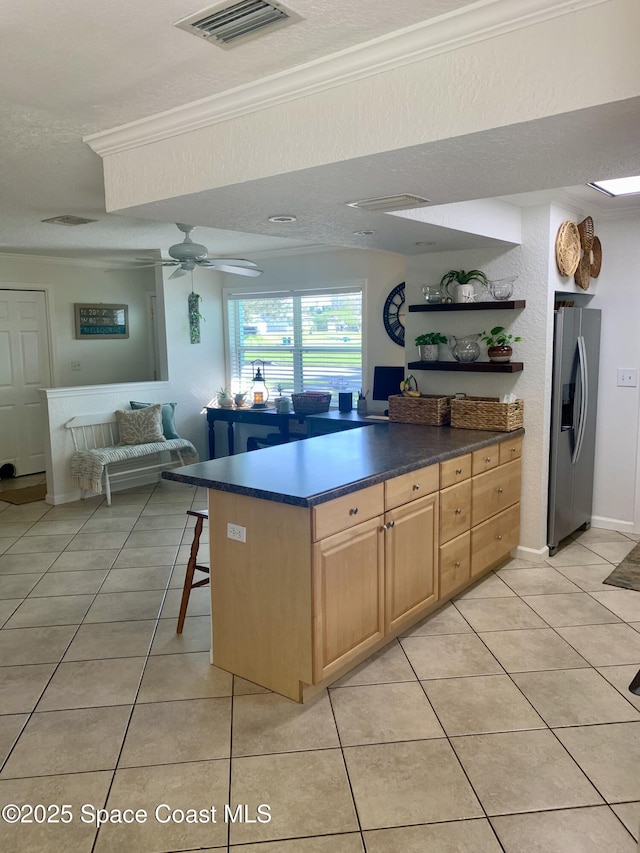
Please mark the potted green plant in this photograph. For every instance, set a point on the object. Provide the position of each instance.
(428, 345)
(225, 399)
(499, 342)
(457, 285)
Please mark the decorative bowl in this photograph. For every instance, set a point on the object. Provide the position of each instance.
(502, 288)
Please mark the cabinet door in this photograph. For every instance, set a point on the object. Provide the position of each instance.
(348, 596)
(411, 560)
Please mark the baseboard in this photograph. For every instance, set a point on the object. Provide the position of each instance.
(128, 483)
(613, 524)
(532, 555)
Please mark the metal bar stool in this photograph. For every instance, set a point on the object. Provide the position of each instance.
(200, 515)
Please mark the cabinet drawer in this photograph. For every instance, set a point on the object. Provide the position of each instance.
(493, 540)
(408, 487)
(455, 470)
(510, 450)
(455, 564)
(455, 510)
(347, 511)
(494, 491)
(485, 459)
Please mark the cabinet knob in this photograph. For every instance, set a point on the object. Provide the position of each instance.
(499, 536)
(457, 564)
(416, 487)
(458, 511)
(513, 449)
(487, 459)
(458, 470)
(353, 510)
(384, 527)
(500, 490)
(392, 524)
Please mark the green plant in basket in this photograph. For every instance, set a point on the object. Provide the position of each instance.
(499, 337)
(430, 339)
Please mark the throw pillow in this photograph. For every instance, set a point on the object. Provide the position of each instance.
(168, 417)
(140, 427)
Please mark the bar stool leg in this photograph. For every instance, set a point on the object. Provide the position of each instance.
(191, 567)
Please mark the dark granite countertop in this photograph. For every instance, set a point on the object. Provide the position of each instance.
(309, 472)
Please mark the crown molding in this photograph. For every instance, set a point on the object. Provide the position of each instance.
(106, 264)
(483, 20)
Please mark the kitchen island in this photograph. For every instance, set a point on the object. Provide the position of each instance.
(324, 550)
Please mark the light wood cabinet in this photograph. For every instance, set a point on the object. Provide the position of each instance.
(348, 596)
(494, 491)
(411, 560)
(492, 540)
(314, 590)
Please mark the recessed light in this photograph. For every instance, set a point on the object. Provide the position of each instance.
(617, 186)
(283, 218)
(363, 233)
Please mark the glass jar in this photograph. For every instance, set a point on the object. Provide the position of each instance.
(465, 350)
(432, 294)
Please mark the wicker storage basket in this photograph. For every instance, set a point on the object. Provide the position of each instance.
(429, 409)
(486, 413)
(311, 402)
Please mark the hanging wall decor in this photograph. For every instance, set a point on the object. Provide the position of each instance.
(194, 317)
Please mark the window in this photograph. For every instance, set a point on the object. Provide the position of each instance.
(310, 340)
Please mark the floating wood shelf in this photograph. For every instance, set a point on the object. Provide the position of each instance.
(472, 367)
(510, 304)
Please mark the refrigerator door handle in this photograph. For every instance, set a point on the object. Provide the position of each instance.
(584, 398)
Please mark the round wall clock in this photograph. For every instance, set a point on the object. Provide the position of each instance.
(393, 314)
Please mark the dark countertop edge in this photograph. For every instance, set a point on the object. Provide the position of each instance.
(347, 488)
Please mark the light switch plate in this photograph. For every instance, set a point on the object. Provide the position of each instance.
(628, 376)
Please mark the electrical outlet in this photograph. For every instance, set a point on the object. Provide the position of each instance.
(628, 376)
(236, 532)
(75, 365)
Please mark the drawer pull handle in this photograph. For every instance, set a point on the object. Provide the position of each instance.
(353, 510)
(416, 487)
(458, 470)
(458, 511)
(500, 490)
(499, 536)
(457, 564)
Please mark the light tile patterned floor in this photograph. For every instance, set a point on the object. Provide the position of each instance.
(501, 723)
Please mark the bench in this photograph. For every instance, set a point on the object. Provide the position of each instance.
(98, 457)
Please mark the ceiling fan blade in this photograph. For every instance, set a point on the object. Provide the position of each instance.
(235, 270)
(180, 271)
(232, 262)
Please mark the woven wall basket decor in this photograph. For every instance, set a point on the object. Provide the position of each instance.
(582, 276)
(596, 257)
(568, 249)
(586, 231)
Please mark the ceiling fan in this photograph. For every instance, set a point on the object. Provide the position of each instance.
(189, 255)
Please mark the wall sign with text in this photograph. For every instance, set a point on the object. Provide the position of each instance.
(101, 320)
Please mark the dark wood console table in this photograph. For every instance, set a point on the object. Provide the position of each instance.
(331, 421)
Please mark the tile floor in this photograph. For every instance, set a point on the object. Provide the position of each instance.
(501, 723)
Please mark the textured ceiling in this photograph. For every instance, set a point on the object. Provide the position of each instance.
(72, 69)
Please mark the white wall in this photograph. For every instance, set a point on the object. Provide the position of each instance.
(529, 262)
(617, 294)
(68, 282)
(195, 372)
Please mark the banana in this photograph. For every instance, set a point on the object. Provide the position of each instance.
(409, 387)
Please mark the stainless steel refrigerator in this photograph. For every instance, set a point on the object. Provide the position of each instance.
(574, 398)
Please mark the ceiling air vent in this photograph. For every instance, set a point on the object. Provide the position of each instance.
(67, 219)
(389, 202)
(227, 24)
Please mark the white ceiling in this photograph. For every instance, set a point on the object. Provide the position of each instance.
(72, 69)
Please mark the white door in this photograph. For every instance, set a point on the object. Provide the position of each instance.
(24, 368)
